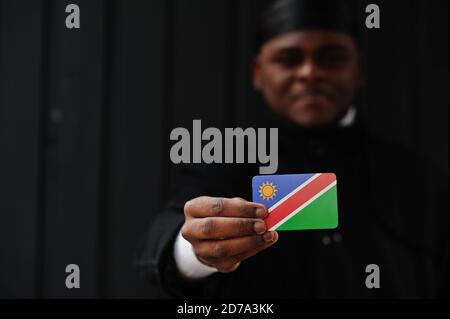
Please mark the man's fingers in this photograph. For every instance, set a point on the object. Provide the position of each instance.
(231, 264)
(211, 250)
(224, 207)
(225, 231)
(222, 227)
(273, 239)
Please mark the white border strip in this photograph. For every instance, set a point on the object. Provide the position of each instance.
(294, 191)
(303, 206)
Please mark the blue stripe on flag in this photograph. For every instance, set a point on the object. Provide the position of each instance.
(283, 183)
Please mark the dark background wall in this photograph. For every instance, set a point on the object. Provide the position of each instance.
(86, 115)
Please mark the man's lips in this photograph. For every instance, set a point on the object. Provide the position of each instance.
(312, 98)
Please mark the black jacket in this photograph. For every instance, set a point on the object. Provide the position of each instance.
(393, 212)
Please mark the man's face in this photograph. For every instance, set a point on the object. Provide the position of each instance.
(310, 77)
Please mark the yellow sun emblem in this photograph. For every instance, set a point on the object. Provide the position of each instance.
(267, 191)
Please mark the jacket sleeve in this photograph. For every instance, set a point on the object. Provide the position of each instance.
(155, 259)
(154, 248)
(157, 264)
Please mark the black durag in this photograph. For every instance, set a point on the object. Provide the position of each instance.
(282, 16)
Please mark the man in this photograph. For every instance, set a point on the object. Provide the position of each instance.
(211, 242)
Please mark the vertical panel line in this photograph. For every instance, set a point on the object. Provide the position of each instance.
(230, 62)
(102, 270)
(170, 39)
(44, 109)
(414, 76)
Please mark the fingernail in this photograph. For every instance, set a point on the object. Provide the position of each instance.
(270, 236)
(259, 227)
(261, 212)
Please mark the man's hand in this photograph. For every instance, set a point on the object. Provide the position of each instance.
(224, 232)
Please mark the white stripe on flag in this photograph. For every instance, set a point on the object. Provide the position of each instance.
(303, 206)
(293, 192)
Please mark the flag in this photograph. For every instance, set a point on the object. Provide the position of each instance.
(298, 201)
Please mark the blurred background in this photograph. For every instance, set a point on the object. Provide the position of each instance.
(85, 116)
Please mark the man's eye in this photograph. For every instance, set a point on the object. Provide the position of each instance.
(288, 60)
(332, 60)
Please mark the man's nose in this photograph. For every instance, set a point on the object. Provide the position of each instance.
(308, 71)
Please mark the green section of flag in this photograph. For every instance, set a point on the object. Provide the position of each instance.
(322, 213)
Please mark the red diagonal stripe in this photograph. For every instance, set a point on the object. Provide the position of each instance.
(299, 198)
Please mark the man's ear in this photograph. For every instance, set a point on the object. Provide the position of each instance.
(257, 83)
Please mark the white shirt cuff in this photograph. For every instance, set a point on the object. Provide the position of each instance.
(187, 262)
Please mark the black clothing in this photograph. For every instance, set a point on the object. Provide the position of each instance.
(283, 16)
(393, 212)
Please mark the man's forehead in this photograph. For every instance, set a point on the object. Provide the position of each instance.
(308, 40)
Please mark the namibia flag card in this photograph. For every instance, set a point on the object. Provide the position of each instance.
(298, 201)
